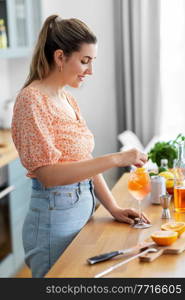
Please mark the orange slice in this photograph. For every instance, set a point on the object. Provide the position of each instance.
(179, 227)
(169, 178)
(134, 185)
(164, 238)
(140, 170)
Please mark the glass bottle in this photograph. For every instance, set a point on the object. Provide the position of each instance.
(164, 165)
(179, 182)
(3, 36)
(180, 161)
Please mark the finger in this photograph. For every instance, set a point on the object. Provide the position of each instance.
(132, 213)
(128, 220)
(144, 157)
(140, 164)
(144, 217)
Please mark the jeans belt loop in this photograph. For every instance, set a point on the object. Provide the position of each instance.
(91, 184)
(42, 187)
(51, 201)
(79, 188)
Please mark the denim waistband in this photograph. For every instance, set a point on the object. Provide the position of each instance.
(86, 184)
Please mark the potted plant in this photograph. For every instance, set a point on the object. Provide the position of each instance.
(165, 150)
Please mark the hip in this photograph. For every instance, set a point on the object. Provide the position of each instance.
(77, 198)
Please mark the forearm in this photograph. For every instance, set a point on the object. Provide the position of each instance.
(103, 193)
(71, 172)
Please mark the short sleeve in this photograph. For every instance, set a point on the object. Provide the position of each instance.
(32, 131)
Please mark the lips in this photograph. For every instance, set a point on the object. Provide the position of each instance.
(81, 78)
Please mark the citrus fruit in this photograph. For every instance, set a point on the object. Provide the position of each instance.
(164, 237)
(179, 227)
(169, 177)
(140, 170)
(134, 185)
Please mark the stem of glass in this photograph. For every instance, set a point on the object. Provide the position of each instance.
(140, 212)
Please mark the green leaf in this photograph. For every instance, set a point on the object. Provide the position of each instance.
(166, 150)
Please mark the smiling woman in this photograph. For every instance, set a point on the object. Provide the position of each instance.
(55, 145)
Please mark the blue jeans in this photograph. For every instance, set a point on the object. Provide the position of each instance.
(55, 217)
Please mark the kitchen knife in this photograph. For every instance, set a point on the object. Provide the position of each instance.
(148, 250)
(109, 255)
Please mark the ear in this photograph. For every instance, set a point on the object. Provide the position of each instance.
(58, 57)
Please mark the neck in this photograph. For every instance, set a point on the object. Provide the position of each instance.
(181, 151)
(52, 84)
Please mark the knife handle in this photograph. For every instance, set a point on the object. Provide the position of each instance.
(103, 257)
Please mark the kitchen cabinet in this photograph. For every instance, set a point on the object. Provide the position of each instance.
(22, 20)
(19, 202)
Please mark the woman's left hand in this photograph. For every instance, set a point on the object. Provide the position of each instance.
(127, 215)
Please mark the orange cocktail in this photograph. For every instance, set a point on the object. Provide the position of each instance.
(139, 185)
(179, 198)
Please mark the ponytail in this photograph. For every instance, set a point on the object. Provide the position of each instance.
(39, 67)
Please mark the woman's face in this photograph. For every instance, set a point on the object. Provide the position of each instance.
(78, 65)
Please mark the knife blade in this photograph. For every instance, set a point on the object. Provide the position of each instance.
(112, 268)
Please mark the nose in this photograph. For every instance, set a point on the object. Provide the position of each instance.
(89, 70)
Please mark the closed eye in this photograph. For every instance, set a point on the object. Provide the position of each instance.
(85, 61)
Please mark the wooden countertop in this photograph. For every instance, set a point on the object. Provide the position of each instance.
(7, 148)
(102, 234)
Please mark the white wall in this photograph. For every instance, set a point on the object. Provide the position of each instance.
(18, 70)
(12, 76)
(97, 97)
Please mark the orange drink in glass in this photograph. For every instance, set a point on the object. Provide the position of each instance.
(179, 190)
(179, 198)
(139, 185)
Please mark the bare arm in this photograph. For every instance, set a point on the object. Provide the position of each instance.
(103, 193)
(71, 172)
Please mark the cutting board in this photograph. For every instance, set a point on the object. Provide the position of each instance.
(177, 247)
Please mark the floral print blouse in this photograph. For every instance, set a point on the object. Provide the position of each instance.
(45, 134)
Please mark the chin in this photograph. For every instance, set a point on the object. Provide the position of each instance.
(75, 84)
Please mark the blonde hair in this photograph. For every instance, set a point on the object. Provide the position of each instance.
(57, 33)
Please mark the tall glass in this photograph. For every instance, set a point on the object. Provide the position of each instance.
(139, 185)
(179, 182)
(179, 192)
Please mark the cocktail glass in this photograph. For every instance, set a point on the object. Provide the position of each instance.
(139, 185)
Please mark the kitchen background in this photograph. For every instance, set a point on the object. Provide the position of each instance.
(137, 85)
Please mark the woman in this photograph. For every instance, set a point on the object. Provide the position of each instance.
(55, 145)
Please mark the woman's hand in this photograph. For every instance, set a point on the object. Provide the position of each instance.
(127, 215)
(131, 157)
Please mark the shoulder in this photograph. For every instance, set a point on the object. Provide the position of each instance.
(30, 97)
(30, 94)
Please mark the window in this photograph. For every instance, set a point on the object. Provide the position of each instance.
(173, 66)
